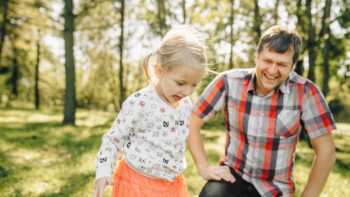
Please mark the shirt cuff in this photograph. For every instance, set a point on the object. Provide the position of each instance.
(103, 170)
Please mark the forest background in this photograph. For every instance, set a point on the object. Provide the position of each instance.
(66, 67)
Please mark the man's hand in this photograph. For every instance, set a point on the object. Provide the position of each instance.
(100, 185)
(217, 173)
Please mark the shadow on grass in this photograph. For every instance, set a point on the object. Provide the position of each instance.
(211, 139)
(28, 127)
(18, 108)
(30, 135)
(5, 170)
(213, 155)
(30, 109)
(341, 166)
(76, 147)
(8, 174)
(37, 135)
(339, 150)
(305, 161)
(215, 125)
(74, 184)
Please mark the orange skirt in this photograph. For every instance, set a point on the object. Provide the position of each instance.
(129, 183)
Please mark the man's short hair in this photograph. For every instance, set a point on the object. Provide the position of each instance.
(280, 40)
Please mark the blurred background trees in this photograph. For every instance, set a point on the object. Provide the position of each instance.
(87, 53)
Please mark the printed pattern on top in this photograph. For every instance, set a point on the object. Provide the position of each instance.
(151, 135)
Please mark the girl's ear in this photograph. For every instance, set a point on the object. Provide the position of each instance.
(158, 70)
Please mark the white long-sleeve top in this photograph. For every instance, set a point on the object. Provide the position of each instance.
(151, 135)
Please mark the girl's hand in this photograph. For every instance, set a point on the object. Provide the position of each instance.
(100, 185)
(217, 173)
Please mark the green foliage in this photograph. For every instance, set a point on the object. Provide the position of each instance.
(97, 32)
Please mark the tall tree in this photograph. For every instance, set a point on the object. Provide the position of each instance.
(4, 8)
(184, 12)
(257, 21)
(325, 35)
(19, 57)
(275, 14)
(121, 48)
(299, 67)
(36, 73)
(161, 16)
(231, 34)
(311, 41)
(69, 97)
(15, 69)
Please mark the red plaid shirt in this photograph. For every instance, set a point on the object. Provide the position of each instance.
(262, 131)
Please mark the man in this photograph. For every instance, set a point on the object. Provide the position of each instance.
(264, 108)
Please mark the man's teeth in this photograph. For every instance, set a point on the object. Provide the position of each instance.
(270, 77)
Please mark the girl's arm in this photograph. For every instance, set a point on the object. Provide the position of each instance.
(196, 147)
(113, 141)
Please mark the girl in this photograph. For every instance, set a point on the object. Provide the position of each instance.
(152, 126)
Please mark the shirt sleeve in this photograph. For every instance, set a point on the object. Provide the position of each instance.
(114, 140)
(316, 115)
(212, 99)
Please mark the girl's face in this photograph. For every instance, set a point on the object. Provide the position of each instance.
(177, 82)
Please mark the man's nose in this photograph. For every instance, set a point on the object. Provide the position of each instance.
(273, 68)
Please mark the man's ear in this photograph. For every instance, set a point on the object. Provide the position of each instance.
(256, 56)
(158, 70)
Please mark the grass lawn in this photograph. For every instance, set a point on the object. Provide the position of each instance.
(40, 157)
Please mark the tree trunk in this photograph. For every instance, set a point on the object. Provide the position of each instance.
(299, 67)
(69, 97)
(36, 80)
(184, 13)
(15, 74)
(257, 21)
(4, 4)
(299, 13)
(325, 35)
(277, 3)
(311, 42)
(121, 46)
(161, 17)
(231, 35)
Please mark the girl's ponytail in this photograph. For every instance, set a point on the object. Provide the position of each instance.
(145, 66)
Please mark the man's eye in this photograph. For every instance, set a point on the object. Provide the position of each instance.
(282, 65)
(180, 84)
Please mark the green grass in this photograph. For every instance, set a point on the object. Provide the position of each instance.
(40, 157)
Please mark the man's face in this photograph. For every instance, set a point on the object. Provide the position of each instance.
(272, 69)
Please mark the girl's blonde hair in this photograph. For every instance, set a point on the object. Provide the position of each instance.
(180, 46)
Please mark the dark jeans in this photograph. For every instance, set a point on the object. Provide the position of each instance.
(222, 188)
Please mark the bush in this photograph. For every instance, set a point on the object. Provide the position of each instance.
(336, 106)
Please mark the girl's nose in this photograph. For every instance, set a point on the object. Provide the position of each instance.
(187, 91)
